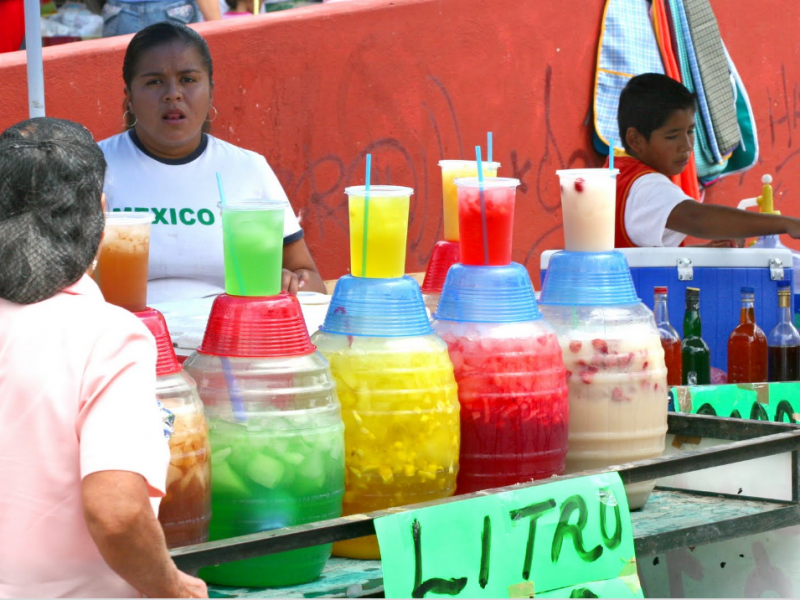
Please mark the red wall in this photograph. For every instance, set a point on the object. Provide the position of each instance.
(414, 81)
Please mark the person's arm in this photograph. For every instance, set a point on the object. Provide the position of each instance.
(299, 270)
(209, 9)
(712, 222)
(121, 521)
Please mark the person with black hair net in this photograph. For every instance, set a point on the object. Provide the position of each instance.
(83, 454)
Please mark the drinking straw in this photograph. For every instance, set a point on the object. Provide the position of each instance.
(236, 271)
(489, 147)
(233, 389)
(366, 218)
(483, 207)
(611, 153)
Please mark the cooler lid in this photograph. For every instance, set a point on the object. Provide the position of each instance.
(741, 258)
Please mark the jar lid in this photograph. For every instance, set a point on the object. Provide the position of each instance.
(377, 307)
(445, 255)
(256, 327)
(588, 279)
(167, 362)
(502, 294)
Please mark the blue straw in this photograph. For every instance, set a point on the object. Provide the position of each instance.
(611, 154)
(489, 147)
(483, 207)
(233, 389)
(366, 218)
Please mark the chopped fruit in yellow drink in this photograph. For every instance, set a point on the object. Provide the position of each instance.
(402, 430)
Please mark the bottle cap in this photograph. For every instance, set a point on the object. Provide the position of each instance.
(784, 283)
(748, 289)
(167, 363)
(257, 327)
(588, 279)
(377, 307)
(660, 289)
(488, 295)
(445, 255)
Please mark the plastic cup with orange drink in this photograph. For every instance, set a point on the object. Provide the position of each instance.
(121, 270)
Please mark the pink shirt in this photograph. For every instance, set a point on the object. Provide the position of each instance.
(77, 396)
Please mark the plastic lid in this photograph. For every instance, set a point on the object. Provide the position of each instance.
(748, 290)
(660, 289)
(379, 191)
(488, 295)
(588, 279)
(377, 307)
(445, 255)
(488, 182)
(251, 204)
(784, 283)
(267, 326)
(167, 362)
(463, 164)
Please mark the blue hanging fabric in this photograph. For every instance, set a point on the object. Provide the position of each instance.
(627, 47)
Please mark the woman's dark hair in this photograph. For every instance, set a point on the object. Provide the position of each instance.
(648, 101)
(51, 215)
(232, 4)
(160, 34)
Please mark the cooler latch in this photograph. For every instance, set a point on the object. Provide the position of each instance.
(685, 271)
(775, 269)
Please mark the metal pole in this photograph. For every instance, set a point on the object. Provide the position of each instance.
(33, 56)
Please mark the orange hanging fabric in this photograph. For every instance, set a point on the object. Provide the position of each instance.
(687, 180)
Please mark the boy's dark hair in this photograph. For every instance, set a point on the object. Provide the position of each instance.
(648, 101)
(51, 215)
(232, 4)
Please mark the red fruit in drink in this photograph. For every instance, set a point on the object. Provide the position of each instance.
(575, 346)
(600, 345)
(579, 184)
(618, 396)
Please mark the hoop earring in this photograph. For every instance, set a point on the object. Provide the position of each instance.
(216, 114)
(125, 120)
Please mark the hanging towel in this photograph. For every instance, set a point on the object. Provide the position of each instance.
(710, 162)
(627, 47)
(714, 73)
(746, 154)
(687, 180)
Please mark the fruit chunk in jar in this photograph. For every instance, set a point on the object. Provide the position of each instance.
(185, 511)
(400, 410)
(617, 402)
(514, 407)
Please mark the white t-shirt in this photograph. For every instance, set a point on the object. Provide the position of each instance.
(651, 199)
(186, 256)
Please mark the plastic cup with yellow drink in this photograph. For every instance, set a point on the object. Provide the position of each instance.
(378, 230)
(452, 170)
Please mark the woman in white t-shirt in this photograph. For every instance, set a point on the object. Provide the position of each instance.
(166, 164)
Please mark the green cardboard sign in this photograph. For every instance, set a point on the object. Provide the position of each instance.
(550, 538)
(778, 402)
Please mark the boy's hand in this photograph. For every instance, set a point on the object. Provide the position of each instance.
(793, 227)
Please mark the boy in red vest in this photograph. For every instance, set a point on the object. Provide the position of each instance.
(656, 126)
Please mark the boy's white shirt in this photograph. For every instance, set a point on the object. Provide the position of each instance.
(651, 199)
